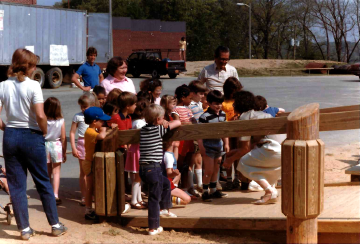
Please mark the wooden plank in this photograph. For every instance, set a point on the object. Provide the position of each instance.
(99, 169)
(313, 181)
(331, 110)
(338, 226)
(111, 201)
(322, 172)
(355, 170)
(287, 159)
(348, 120)
(300, 179)
(120, 165)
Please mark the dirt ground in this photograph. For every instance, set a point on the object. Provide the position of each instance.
(337, 160)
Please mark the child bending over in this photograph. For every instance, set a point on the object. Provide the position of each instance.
(262, 105)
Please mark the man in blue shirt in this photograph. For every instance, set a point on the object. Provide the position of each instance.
(89, 72)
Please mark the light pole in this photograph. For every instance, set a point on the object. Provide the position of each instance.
(249, 6)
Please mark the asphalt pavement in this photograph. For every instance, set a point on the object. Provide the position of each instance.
(286, 92)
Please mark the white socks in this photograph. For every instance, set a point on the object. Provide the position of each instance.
(191, 179)
(26, 229)
(56, 226)
(198, 173)
(134, 192)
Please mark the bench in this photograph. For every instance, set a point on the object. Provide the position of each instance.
(354, 172)
(302, 69)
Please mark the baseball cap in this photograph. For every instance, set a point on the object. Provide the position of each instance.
(95, 113)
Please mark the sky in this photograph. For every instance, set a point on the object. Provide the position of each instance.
(47, 2)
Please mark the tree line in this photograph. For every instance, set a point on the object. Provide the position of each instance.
(325, 29)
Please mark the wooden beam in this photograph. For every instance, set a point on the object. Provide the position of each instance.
(331, 110)
(347, 120)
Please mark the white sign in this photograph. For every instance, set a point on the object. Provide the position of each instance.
(30, 48)
(1, 20)
(59, 55)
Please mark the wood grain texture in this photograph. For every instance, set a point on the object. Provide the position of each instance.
(111, 201)
(331, 110)
(303, 123)
(287, 186)
(300, 183)
(99, 169)
(301, 230)
(321, 173)
(313, 178)
(120, 165)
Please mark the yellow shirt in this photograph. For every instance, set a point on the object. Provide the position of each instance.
(182, 44)
(90, 143)
(227, 107)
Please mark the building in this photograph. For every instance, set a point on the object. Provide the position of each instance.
(33, 2)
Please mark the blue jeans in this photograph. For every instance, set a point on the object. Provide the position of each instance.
(159, 192)
(24, 149)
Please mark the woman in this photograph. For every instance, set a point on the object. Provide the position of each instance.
(117, 69)
(260, 156)
(24, 142)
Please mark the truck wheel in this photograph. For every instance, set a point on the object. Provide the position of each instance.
(54, 77)
(155, 74)
(136, 74)
(39, 76)
(172, 76)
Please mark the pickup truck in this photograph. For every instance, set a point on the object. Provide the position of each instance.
(150, 61)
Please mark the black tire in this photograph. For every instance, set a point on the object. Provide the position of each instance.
(39, 76)
(155, 74)
(136, 74)
(54, 77)
(8, 218)
(172, 76)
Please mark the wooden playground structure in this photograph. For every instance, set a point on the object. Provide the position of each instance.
(307, 209)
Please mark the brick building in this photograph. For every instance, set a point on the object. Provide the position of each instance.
(33, 2)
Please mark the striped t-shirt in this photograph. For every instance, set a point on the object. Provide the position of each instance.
(196, 109)
(211, 117)
(151, 144)
(184, 113)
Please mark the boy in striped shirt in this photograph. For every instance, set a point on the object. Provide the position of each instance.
(151, 155)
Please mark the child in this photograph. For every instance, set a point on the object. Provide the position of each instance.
(212, 149)
(154, 88)
(100, 94)
(127, 104)
(133, 155)
(113, 95)
(231, 86)
(94, 117)
(179, 197)
(3, 180)
(78, 151)
(151, 156)
(205, 104)
(55, 142)
(263, 106)
(183, 113)
(197, 89)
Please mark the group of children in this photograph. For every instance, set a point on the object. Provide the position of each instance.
(167, 168)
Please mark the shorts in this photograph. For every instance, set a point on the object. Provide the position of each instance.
(87, 167)
(172, 186)
(214, 152)
(54, 152)
(80, 147)
(182, 49)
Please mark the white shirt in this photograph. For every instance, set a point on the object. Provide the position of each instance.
(215, 77)
(138, 124)
(18, 98)
(79, 119)
(169, 160)
(54, 129)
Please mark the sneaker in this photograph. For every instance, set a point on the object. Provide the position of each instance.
(218, 186)
(228, 186)
(253, 186)
(206, 197)
(218, 194)
(127, 208)
(59, 230)
(193, 192)
(157, 231)
(25, 235)
(91, 216)
(236, 184)
(58, 201)
(167, 214)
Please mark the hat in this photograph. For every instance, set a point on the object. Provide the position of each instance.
(95, 113)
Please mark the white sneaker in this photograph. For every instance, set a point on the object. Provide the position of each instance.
(167, 214)
(253, 186)
(157, 231)
(127, 208)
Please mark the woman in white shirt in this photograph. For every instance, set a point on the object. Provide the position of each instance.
(24, 142)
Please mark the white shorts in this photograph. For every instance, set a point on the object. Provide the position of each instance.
(54, 151)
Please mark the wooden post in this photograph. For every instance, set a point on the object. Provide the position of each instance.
(99, 189)
(120, 181)
(111, 205)
(303, 175)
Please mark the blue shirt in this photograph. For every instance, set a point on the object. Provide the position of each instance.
(271, 110)
(90, 74)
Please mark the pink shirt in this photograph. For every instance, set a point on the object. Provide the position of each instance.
(124, 85)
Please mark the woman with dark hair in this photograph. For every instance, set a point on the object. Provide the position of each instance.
(117, 69)
(260, 156)
(24, 142)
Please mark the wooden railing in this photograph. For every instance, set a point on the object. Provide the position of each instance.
(294, 125)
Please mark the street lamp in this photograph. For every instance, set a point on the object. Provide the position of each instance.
(249, 6)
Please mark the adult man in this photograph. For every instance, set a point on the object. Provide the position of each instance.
(216, 74)
(89, 71)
